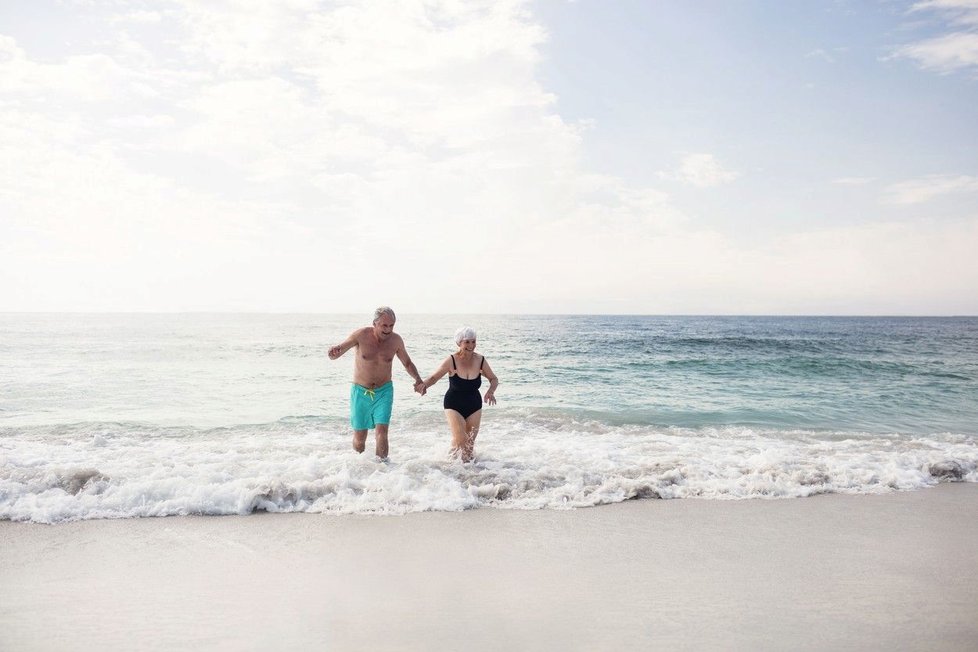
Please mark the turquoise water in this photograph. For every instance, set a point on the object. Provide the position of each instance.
(894, 375)
(135, 415)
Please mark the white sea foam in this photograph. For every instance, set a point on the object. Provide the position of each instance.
(523, 462)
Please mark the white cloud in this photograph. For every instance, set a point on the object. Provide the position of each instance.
(916, 191)
(881, 268)
(954, 50)
(9, 50)
(138, 17)
(283, 140)
(143, 121)
(961, 12)
(854, 181)
(944, 54)
(829, 56)
(84, 78)
(235, 155)
(703, 170)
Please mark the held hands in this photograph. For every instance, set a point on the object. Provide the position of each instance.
(335, 352)
(490, 398)
(420, 387)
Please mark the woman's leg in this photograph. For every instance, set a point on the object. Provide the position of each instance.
(471, 430)
(457, 425)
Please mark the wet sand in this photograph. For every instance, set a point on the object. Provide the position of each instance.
(871, 572)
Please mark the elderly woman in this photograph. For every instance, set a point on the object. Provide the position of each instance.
(463, 403)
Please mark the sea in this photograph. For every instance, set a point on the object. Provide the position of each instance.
(141, 415)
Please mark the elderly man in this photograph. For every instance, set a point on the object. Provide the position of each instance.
(372, 393)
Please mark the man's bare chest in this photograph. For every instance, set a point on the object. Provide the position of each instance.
(375, 353)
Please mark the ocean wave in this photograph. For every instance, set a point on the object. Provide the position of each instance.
(529, 461)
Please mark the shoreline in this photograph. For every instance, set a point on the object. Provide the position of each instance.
(836, 571)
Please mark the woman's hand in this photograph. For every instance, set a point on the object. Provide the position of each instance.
(490, 398)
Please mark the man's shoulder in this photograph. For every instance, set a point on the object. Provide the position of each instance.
(361, 333)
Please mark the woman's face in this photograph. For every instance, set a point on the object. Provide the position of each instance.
(467, 345)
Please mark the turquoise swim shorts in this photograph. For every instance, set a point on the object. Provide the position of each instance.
(369, 407)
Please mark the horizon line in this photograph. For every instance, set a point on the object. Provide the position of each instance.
(498, 314)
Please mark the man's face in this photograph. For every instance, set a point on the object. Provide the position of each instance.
(383, 327)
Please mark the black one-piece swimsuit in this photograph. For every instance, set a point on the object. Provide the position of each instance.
(463, 394)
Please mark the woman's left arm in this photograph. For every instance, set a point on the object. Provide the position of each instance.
(493, 382)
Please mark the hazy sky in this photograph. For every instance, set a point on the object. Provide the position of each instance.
(597, 156)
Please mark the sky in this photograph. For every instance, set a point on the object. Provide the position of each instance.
(504, 156)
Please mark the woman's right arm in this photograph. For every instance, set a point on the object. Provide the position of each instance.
(439, 372)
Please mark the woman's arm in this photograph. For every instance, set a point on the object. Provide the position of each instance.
(493, 382)
(436, 376)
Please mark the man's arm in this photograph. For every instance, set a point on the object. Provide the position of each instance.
(345, 345)
(405, 359)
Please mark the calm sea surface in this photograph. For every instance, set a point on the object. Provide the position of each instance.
(142, 415)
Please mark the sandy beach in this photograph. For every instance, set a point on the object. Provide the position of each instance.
(868, 572)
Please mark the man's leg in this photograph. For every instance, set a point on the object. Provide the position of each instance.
(382, 409)
(359, 416)
(381, 435)
(359, 440)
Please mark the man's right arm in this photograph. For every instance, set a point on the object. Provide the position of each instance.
(344, 346)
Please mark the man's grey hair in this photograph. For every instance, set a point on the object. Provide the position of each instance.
(384, 310)
(464, 333)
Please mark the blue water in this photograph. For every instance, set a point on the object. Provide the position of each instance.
(895, 375)
(140, 415)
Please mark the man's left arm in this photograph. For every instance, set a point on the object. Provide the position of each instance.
(405, 359)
